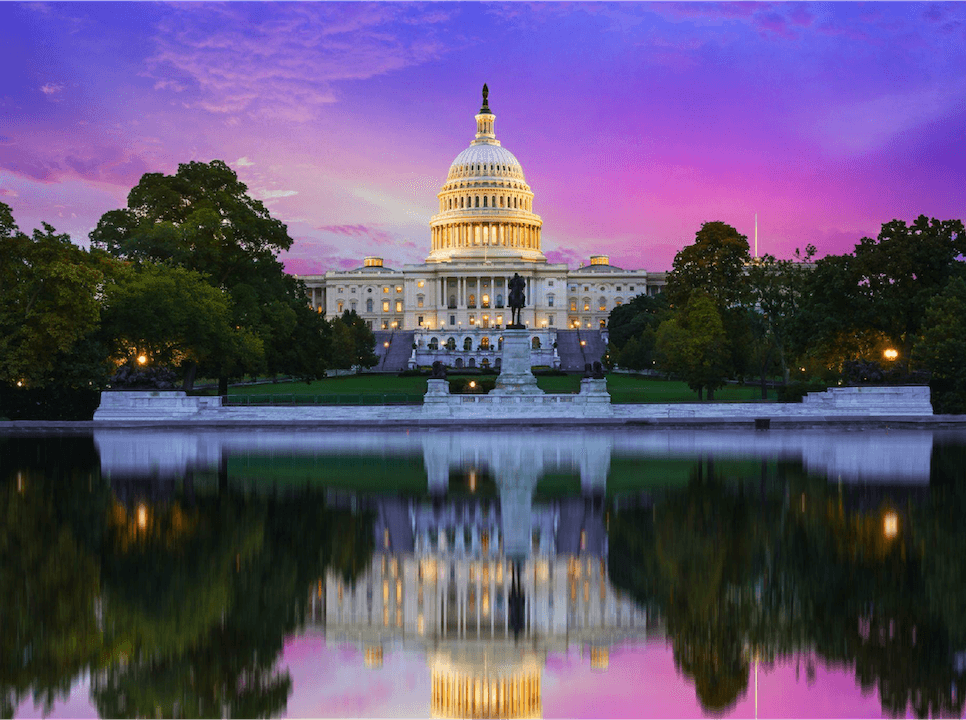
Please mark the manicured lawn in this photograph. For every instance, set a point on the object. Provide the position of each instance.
(367, 389)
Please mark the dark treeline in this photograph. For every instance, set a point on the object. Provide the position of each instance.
(176, 600)
(789, 568)
(808, 323)
(183, 283)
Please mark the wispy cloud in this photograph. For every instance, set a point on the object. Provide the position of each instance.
(263, 194)
(244, 162)
(51, 88)
(238, 59)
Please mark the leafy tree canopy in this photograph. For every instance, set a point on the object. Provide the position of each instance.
(693, 345)
(48, 301)
(714, 264)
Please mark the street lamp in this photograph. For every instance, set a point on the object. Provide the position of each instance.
(891, 354)
(142, 359)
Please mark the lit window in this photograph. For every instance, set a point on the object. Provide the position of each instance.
(385, 290)
(399, 306)
(586, 307)
(419, 284)
(340, 307)
(385, 306)
(419, 300)
(573, 306)
(399, 288)
(341, 290)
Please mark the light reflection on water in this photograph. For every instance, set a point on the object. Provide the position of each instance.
(488, 574)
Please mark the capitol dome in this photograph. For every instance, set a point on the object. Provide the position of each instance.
(485, 205)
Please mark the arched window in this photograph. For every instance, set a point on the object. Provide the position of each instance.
(477, 201)
(603, 303)
(485, 363)
(468, 343)
(499, 300)
(501, 200)
(494, 201)
(550, 300)
(535, 343)
(451, 343)
(352, 305)
(461, 203)
(498, 363)
(485, 343)
(484, 201)
(459, 362)
(369, 305)
(471, 301)
(452, 302)
(471, 363)
(420, 300)
(434, 343)
(514, 203)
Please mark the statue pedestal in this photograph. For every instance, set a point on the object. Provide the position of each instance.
(515, 375)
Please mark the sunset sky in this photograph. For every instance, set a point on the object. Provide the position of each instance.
(634, 123)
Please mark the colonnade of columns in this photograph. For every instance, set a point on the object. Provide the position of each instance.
(525, 236)
(457, 695)
(463, 290)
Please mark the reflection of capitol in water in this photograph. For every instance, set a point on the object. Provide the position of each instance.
(441, 583)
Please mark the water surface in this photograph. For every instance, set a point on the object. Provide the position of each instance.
(624, 573)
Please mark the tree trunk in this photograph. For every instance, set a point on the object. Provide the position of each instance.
(189, 377)
(700, 394)
(710, 394)
(222, 385)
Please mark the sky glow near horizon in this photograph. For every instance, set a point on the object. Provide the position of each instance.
(634, 123)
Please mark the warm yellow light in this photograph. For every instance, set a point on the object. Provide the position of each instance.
(142, 359)
(890, 525)
(473, 481)
(142, 516)
(19, 383)
(472, 383)
(891, 354)
(583, 342)
(385, 344)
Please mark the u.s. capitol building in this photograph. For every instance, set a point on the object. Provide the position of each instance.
(453, 306)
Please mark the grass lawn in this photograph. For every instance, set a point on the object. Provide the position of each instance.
(390, 388)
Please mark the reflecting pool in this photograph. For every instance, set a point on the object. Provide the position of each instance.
(571, 573)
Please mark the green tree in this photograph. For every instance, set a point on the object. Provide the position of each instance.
(632, 329)
(903, 269)
(176, 318)
(353, 343)
(942, 348)
(692, 345)
(202, 219)
(776, 293)
(714, 265)
(48, 306)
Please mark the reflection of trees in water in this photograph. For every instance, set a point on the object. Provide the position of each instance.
(800, 568)
(178, 608)
(49, 577)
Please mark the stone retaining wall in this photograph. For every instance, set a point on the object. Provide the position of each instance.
(591, 403)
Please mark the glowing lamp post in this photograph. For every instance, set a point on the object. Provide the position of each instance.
(891, 354)
(142, 359)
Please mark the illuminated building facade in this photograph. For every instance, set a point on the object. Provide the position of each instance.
(453, 306)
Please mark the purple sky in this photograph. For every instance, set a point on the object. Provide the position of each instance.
(641, 682)
(634, 123)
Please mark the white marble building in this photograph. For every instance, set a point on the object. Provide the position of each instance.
(485, 231)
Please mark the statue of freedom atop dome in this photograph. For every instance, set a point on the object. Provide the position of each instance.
(516, 299)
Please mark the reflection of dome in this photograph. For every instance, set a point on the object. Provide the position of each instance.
(485, 205)
(494, 685)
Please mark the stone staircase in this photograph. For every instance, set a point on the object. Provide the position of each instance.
(394, 358)
(573, 355)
